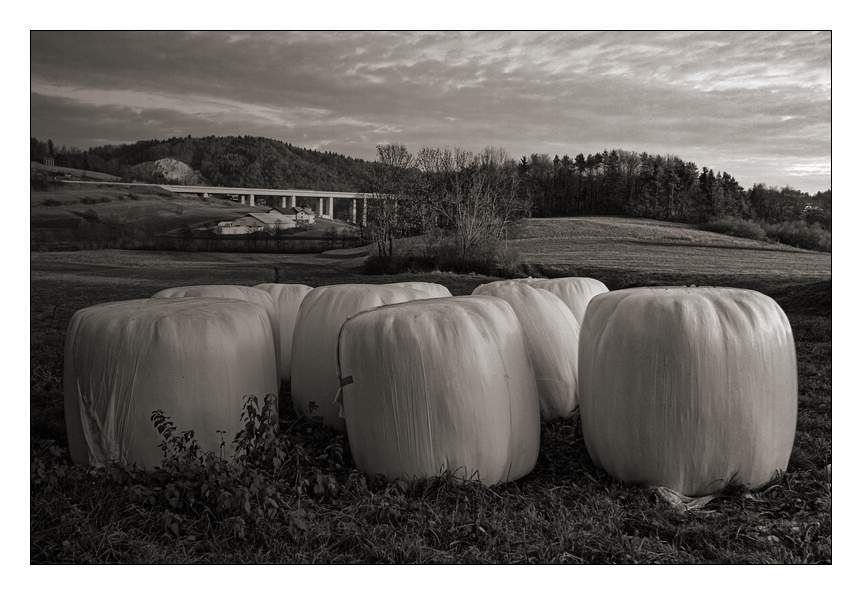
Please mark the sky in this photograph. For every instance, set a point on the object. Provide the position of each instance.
(755, 104)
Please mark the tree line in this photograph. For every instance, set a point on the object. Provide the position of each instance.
(615, 182)
(222, 161)
(663, 187)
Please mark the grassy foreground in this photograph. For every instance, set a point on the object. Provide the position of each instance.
(316, 507)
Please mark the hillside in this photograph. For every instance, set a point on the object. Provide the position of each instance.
(70, 172)
(227, 161)
(69, 213)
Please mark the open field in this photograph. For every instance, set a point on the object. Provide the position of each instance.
(654, 250)
(566, 510)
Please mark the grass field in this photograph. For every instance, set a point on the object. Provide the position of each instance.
(651, 250)
(566, 510)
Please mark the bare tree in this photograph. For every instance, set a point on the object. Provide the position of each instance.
(389, 213)
(473, 196)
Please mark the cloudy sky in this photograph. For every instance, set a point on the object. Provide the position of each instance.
(755, 104)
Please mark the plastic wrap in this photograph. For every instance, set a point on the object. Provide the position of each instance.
(576, 292)
(314, 373)
(236, 292)
(194, 358)
(441, 385)
(287, 300)
(551, 335)
(429, 290)
(688, 388)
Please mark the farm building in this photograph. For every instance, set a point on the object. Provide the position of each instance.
(271, 221)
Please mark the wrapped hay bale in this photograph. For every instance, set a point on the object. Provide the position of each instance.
(430, 290)
(551, 335)
(576, 292)
(287, 299)
(313, 367)
(194, 358)
(442, 385)
(688, 388)
(236, 292)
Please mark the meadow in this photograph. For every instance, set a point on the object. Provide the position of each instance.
(566, 510)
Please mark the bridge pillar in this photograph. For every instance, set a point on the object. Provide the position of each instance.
(353, 210)
(251, 200)
(330, 207)
(364, 212)
(283, 202)
(242, 199)
(320, 207)
(293, 201)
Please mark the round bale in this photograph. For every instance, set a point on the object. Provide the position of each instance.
(688, 388)
(440, 386)
(194, 358)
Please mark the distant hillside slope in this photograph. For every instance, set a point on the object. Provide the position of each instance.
(233, 161)
(70, 172)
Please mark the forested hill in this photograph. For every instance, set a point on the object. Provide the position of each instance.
(223, 161)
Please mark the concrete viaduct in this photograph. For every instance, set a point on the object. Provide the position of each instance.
(286, 196)
(325, 207)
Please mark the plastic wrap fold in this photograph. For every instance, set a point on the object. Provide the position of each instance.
(576, 292)
(287, 299)
(551, 335)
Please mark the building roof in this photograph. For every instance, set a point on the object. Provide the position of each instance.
(246, 220)
(271, 218)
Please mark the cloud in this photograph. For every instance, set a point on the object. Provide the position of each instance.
(757, 104)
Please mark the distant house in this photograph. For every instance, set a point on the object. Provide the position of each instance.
(271, 221)
(302, 215)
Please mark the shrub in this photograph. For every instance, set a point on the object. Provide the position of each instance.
(440, 253)
(734, 226)
(812, 236)
(41, 181)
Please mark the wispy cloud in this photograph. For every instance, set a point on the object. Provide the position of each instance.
(755, 103)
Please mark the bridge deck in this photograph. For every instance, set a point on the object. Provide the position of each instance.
(297, 192)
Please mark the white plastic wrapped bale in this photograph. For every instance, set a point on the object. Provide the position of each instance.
(429, 290)
(688, 388)
(194, 358)
(313, 366)
(442, 385)
(287, 300)
(551, 335)
(576, 292)
(236, 292)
